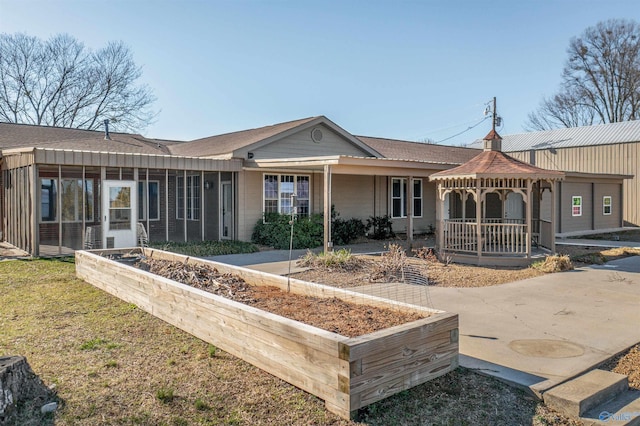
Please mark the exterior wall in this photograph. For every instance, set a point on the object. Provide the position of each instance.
(212, 207)
(353, 196)
(249, 202)
(621, 158)
(602, 221)
(301, 145)
(568, 222)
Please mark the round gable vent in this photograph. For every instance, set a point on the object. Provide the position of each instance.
(316, 135)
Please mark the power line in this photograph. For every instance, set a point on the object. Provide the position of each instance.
(466, 130)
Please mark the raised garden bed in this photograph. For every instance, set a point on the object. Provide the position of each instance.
(347, 373)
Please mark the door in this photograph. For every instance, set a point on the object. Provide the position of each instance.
(227, 211)
(513, 207)
(119, 213)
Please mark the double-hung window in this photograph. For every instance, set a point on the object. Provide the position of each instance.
(277, 192)
(399, 197)
(192, 199)
(148, 200)
(606, 205)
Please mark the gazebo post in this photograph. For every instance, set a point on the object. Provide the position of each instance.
(479, 218)
(529, 234)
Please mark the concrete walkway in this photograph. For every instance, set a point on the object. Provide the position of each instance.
(551, 327)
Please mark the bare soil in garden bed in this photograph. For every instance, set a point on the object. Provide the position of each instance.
(331, 314)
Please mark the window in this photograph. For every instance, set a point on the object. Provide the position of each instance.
(71, 193)
(277, 192)
(399, 197)
(148, 198)
(193, 197)
(606, 205)
(576, 205)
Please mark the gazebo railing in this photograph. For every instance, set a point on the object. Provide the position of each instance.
(497, 236)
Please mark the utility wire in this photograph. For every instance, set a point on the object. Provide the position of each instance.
(466, 130)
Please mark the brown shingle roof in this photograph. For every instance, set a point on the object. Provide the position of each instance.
(25, 135)
(403, 150)
(497, 164)
(229, 142)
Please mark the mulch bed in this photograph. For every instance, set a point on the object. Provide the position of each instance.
(331, 314)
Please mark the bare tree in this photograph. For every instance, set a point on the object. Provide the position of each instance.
(59, 82)
(600, 81)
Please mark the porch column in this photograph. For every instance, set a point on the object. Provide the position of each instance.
(552, 189)
(479, 218)
(409, 209)
(529, 211)
(328, 244)
(35, 194)
(184, 205)
(440, 216)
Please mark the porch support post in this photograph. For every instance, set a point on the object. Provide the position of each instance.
(184, 204)
(202, 204)
(529, 212)
(440, 216)
(479, 218)
(166, 204)
(35, 194)
(328, 244)
(59, 207)
(552, 189)
(409, 210)
(103, 215)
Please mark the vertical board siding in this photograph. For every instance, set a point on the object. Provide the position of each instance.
(621, 159)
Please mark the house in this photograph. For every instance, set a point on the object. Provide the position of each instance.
(64, 189)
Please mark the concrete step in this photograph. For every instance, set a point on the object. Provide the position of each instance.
(577, 396)
(622, 410)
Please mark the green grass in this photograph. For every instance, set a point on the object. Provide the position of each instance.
(206, 248)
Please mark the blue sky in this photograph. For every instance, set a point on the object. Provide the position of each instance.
(396, 69)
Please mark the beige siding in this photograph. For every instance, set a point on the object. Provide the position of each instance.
(614, 159)
(353, 196)
(601, 220)
(568, 222)
(249, 203)
(300, 145)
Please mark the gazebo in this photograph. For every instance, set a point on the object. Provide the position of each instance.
(489, 209)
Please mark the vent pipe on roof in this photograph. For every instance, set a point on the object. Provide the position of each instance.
(106, 130)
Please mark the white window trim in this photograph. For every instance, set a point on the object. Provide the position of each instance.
(573, 197)
(403, 198)
(189, 202)
(295, 191)
(145, 199)
(604, 205)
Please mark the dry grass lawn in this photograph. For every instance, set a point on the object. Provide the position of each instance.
(111, 363)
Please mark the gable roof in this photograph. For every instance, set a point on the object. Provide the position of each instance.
(227, 143)
(432, 153)
(497, 164)
(601, 134)
(26, 135)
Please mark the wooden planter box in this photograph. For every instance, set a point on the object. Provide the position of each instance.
(347, 373)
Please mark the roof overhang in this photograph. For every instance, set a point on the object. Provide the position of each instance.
(552, 175)
(342, 164)
(18, 157)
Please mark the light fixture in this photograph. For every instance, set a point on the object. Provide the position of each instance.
(207, 184)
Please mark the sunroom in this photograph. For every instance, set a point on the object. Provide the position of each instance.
(57, 201)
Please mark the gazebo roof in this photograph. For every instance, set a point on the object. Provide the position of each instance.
(496, 164)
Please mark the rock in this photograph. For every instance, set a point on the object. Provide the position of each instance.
(49, 408)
